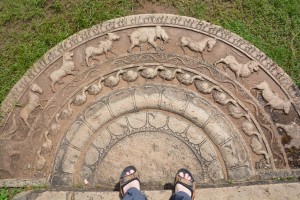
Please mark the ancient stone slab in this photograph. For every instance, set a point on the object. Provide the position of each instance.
(92, 156)
(102, 139)
(97, 115)
(70, 158)
(177, 125)
(147, 97)
(51, 195)
(157, 153)
(233, 110)
(78, 134)
(198, 111)
(137, 120)
(174, 100)
(157, 120)
(219, 129)
(120, 126)
(126, 106)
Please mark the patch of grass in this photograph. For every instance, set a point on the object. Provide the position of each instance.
(4, 194)
(9, 193)
(272, 26)
(28, 28)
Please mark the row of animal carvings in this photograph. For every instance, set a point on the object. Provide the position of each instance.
(149, 35)
(165, 73)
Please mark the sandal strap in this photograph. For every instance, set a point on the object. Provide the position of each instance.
(189, 184)
(185, 182)
(128, 178)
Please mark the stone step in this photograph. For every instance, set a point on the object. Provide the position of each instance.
(280, 191)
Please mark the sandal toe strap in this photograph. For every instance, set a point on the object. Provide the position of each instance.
(126, 179)
(187, 183)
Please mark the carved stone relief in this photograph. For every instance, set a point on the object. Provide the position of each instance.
(103, 47)
(232, 124)
(240, 70)
(293, 131)
(33, 103)
(87, 129)
(197, 46)
(149, 35)
(273, 99)
(65, 69)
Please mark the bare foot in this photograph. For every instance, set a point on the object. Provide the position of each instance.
(134, 183)
(181, 188)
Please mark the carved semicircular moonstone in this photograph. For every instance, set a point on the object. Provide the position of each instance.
(210, 102)
(208, 140)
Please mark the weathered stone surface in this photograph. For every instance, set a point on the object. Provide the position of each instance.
(97, 115)
(78, 134)
(253, 192)
(153, 152)
(210, 101)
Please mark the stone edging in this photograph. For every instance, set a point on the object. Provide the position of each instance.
(23, 182)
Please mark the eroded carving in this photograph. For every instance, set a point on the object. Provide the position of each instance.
(257, 143)
(112, 81)
(66, 69)
(292, 130)
(40, 161)
(205, 87)
(186, 79)
(222, 98)
(47, 145)
(130, 75)
(80, 98)
(10, 132)
(273, 99)
(6, 158)
(67, 112)
(55, 128)
(95, 88)
(237, 112)
(149, 35)
(103, 47)
(167, 74)
(232, 151)
(33, 103)
(149, 72)
(240, 70)
(197, 46)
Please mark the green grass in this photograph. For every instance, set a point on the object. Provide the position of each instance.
(9, 193)
(28, 28)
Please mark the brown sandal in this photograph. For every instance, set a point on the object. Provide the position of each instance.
(125, 179)
(186, 183)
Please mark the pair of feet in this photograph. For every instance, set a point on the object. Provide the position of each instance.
(178, 187)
